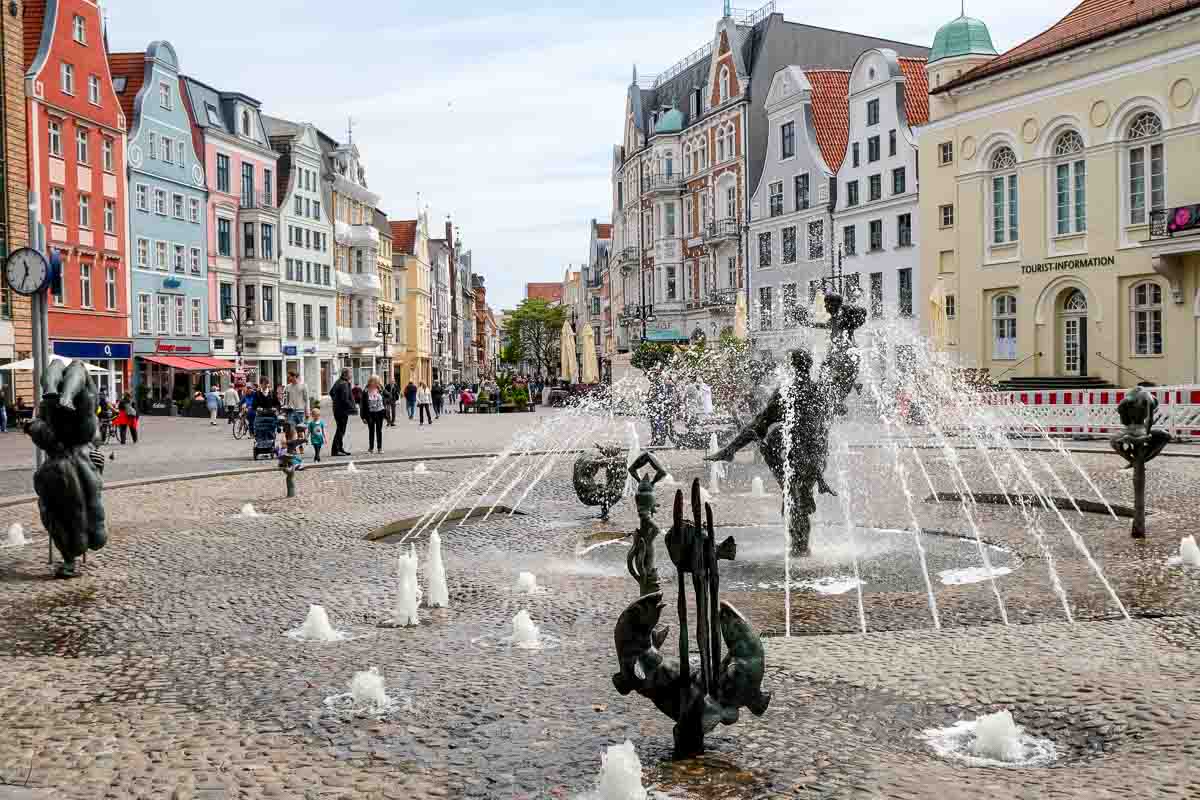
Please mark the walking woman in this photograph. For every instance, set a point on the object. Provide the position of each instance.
(424, 400)
(127, 418)
(374, 411)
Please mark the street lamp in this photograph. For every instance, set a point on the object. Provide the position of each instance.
(384, 327)
(240, 314)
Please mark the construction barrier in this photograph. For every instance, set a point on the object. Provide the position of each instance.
(1093, 412)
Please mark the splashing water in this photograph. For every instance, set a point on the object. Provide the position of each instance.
(408, 591)
(1189, 552)
(525, 634)
(714, 479)
(757, 489)
(713, 445)
(634, 444)
(16, 536)
(420, 468)
(620, 774)
(351, 467)
(992, 740)
(316, 627)
(435, 576)
(527, 583)
(248, 510)
(367, 688)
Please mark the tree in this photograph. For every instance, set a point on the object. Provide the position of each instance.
(533, 334)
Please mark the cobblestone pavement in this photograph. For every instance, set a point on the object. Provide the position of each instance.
(165, 671)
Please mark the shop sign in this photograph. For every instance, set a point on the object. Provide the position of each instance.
(1067, 265)
(171, 283)
(289, 349)
(94, 350)
(164, 347)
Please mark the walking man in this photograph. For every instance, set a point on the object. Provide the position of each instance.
(438, 393)
(410, 398)
(343, 405)
(391, 396)
(295, 399)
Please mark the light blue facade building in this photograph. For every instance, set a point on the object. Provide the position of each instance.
(168, 237)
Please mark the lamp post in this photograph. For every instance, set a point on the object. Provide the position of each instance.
(384, 327)
(239, 314)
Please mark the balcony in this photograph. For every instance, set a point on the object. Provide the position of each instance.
(722, 301)
(359, 337)
(359, 283)
(1167, 223)
(663, 184)
(260, 200)
(255, 265)
(355, 235)
(721, 230)
(1173, 237)
(257, 331)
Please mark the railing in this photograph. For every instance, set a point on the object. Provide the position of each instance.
(263, 200)
(662, 183)
(627, 254)
(1019, 363)
(721, 229)
(721, 298)
(1141, 378)
(1166, 222)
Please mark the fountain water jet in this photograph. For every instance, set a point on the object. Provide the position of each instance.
(620, 774)
(1189, 552)
(439, 594)
(757, 490)
(248, 510)
(316, 627)
(408, 592)
(527, 583)
(525, 634)
(16, 536)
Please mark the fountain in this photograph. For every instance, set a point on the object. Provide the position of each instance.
(420, 468)
(1189, 552)
(757, 490)
(367, 689)
(525, 634)
(317, 628)
(620, 774)
(992, 740)
(408, 593)
(435, 576)
(640, 561)
(351, 467)
(606, 493)
(714, 479)
(1138, 443)
(16, 536)
(248, 510)
(527, 583)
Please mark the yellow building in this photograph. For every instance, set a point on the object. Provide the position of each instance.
(1058, 203)
(386, 308)
(411, 272)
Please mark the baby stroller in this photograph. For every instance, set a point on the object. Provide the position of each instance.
(266, 425)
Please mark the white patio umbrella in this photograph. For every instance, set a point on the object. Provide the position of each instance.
(570, 370)
(937, 316)
(26, 365)
(591, 367)
(739, 316)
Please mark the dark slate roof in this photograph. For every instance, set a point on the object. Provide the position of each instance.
(382, 225)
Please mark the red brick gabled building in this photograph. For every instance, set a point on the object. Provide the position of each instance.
(76, 132)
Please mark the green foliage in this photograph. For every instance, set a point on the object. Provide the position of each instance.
(533, 333)
(652, 354)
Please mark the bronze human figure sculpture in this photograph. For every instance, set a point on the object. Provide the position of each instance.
(698, 700)
(68, 483)
(1138, 443)
(605, 493)
(640, 560)
(797, 462)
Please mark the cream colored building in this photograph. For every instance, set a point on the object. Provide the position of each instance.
(411, 270)
(1052, 179)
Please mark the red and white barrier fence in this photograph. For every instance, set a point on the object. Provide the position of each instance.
(1093, 412)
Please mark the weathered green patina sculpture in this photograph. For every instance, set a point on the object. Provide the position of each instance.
(610, 459)
(698, 700)
(1138, 443)
(640, 560)
(68, 483)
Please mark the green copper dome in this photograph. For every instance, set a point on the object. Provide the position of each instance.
(671, 122)
(961, 37)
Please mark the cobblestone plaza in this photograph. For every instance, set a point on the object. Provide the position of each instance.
(165, 671)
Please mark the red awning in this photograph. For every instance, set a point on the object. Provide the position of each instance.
(185, 364)
(212, 363)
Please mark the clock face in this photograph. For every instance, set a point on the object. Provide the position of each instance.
(26, 271)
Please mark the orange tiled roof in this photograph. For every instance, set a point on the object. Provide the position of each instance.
(550, 292)
(131, 67)
(916, 90)
(34, 17)
(603, 230)
(1087, 22)
(404, 235)
(830, 90)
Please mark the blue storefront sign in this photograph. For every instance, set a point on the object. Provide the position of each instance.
(92, 350)
(289, 349)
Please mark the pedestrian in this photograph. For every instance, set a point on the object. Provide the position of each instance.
(438, 393)
(232, 400)
(127, 418)
(356, 393)
(316, 433)
(266, 398)
(212, 399)
(3, 412)
(374, 412)
(410, 398)
(247, 402)
(343, 404)
(295, 399)
(465, 400)
(424, 400)
(391, 396)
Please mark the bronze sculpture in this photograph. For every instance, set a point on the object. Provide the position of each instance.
(1138, 443)
(68, 483)
(640, 560)
(797, 461)
(698, 700)
(611, 459)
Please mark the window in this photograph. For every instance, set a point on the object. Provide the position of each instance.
(946, 215)
(945, 152)
(874, 187)
(85, 211)
(268, 293)
(724, 95)
(79, 29)
(325, 271)
(194, 209)
(140, 194)
(267, 187)
(179, 153)
(801, 191)
(1070, 177)
(226, 300)
(816, 240)
(776, 198)
(94, 89)
(875, 235)
(268, 241)
(245, 123)
(764, 308)
(1004, 196)
(787, 140)
(179, 254)
(316, 209)
(764, 249)
(81, 146)
(196, 316)
(906, 292)
(308, 322)
(106, 154)
(898, 181)
(789, 244)
(67, 78)
(164, 95)
(358, 261)
(854, 154)
(299, 205)
(291, 269)
(195, 260)
(289, 315)
(671, 285)
(1004, 327)
(876, 294)
(164, 314)
(850, 240)
(904, 230)
(180, 314)
(144, 320)
(152, 148)
(222, 172)
(669, 216)
(160, 201)
(110, 216)
(892, 142)
(55, 128)
(56, 205)
(951, 307)
(143, 252)
(177, 206)
(248, 240)
(85, 285)
(166, 147)
(1145, 128)
(323, 321)
(1147, 319)
(224, 238)
(160, 255)
(851, 193)
(360, 314)
(872, 112)
(247, 184)
(251, 306)
(872, 149)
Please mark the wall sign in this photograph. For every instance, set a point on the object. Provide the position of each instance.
(93, 350)
(289, 349)
(1068, 265)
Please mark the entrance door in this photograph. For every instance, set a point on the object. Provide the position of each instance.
(1074, 333)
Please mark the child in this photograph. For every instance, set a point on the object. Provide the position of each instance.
(316, 433)
(286, 448)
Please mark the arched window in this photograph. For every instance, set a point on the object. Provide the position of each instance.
(720, 144)
(687, 158)
(1145, 157)
(245, 123)
(724, 85)
(1070, 181)
(1004, 196)
(1075, 302)
(1004, 327)
(1146, 309)
(730, 141)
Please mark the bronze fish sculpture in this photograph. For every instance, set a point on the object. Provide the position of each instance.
(741, 674)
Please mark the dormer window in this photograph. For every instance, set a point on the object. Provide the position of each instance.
(79, 29)
(724, 85)
(245, 123)
(214, 117)
(164, 96)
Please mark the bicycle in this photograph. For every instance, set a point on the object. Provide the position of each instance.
(241, 425)
(106, 427)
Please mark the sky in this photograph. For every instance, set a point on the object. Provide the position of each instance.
(501, 115)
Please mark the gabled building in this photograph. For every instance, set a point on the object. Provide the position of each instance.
(441, 254)
(307, 288)
(410, 257)
(76, 131)
(593, 307)
(387, 326)
(241, 172)
(469, 372)
(16, 330)
(167, 221)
